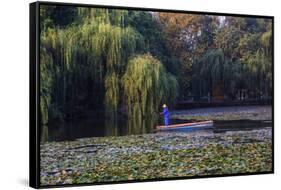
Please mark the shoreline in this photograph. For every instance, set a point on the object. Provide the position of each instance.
(225, 113)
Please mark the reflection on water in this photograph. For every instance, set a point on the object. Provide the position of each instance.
(240, 125)
(44, 134)
(83, 128)
(101, 127)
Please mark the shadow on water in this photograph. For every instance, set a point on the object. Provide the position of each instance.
(98, 127)
(101, 127)
(240, 125)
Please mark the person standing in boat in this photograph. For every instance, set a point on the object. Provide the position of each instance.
(166, 114)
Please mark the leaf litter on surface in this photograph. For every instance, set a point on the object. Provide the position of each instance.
(160, 155)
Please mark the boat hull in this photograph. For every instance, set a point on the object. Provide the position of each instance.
(186, 126)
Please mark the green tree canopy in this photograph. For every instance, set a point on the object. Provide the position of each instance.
(146, 85)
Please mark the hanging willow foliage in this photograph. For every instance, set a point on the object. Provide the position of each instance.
(112, 16)
(46, 82)
(212, 65)
(258, 59)
(112, 46)
(208, 71)
(214, 69)
(147, 84)
(112, 91)
(95, 52)
(233, 76)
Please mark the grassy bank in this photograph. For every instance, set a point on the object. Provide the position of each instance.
(226, 113)
(157, 155)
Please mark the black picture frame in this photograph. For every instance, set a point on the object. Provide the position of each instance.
(34, 100)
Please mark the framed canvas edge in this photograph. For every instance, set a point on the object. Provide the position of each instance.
(34, 95)
(34, 129)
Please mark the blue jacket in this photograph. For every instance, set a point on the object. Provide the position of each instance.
(165, 112)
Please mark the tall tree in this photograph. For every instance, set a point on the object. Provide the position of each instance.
(147, 85)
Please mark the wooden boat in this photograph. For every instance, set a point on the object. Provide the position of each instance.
(186, 126)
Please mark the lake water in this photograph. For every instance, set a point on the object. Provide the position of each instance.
(83, 128)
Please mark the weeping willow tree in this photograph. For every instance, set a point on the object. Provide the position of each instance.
(266, 42)
(252, 73)
(207, 72)
(112, 47)
(260, 74)
(82, 64)
(215, 69)
(258, 59)
(146, 85)
(236, 78)
(46, 82)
